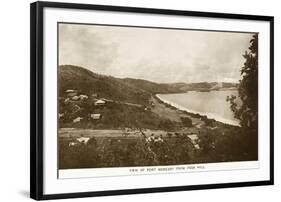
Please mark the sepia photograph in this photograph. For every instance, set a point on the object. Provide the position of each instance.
(133, 96)
(131, 100)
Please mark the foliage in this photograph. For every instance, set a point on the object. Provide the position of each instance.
(247, 113)
(187, 122)
(226, 144)
(230, 144)
(122, 152)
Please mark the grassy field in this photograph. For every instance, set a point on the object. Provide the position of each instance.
(78, 132)
(171, 113)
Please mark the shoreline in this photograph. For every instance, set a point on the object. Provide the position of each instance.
(209, 115)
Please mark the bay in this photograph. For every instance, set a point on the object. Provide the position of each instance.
(213, 104)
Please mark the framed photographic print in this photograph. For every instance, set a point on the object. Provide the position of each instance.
(136, 100)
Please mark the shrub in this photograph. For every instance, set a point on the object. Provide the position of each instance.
(209, 122)
(186, 121)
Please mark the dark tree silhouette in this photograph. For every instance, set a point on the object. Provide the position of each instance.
(246, 109)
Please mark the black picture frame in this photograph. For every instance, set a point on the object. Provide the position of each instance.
(36, 97)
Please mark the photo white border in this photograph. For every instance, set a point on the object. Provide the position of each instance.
(53, 185)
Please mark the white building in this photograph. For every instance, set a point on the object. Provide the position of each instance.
(96, 116)
(83, 139)
(83, 97)
(194, 139)
(75, 97)
(100, 103)
(71, 93)
(78, 119)
(61, 115)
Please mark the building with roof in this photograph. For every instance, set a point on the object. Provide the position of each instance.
(99, 103)
(96, 116)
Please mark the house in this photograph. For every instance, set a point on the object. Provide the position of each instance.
(194, 139)
(71, 93)
(75, 98)
(78, 119)
(83, 97)
(159, 139)
(83, 139)
(100, 103)
(61, 115)
(96, 116)
(72, 144)
(151, 138)
(66, 100)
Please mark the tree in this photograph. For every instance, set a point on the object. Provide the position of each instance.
(247, 111)
(187, 122)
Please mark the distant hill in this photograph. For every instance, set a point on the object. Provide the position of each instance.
(152, 87)
(204, 86)
(87, 82)
(128, 89)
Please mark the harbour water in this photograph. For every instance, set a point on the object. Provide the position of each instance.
(213, 104)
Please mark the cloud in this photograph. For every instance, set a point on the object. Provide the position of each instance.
(160, 55)
(82, 46)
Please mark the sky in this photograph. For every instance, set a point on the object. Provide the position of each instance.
(159, 55)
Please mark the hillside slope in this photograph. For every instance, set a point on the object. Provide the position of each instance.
(87, 82)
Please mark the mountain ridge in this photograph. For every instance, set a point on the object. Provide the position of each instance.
(125, 89)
